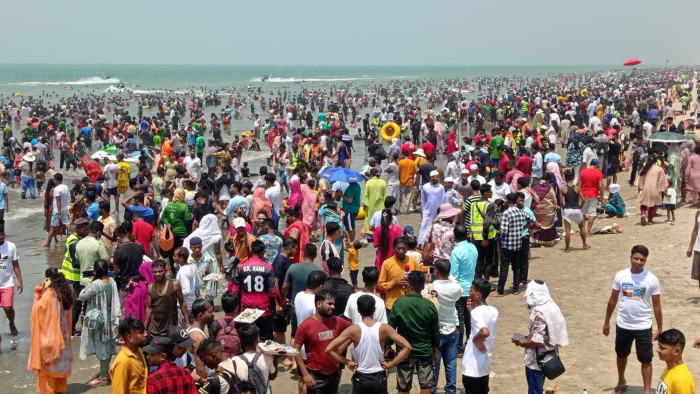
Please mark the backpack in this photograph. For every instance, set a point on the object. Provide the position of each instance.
(254, 377)
(228, 338)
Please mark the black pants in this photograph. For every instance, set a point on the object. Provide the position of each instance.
(476, 385)
(524, 260)
(633, 173)
(77, 304)
(465, 322)
(484, 263)
(264, 325)
(374, 383)
(512, 258)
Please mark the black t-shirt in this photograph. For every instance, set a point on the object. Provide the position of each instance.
(201, 210)
(341, 291)
(425, 170)
(128, 258)
(614, 151)
(280, 265)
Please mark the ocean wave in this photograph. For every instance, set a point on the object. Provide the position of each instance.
(84, 81)
(293, 79)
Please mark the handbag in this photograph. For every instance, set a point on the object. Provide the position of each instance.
(550, 364)
(94, 319)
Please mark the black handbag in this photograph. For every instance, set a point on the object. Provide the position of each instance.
(550, 364)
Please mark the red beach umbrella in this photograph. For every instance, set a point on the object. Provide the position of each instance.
(631, 62)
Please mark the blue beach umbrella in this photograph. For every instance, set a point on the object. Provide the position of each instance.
(341, 175)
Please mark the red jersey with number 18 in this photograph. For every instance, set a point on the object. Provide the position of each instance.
(256, 282)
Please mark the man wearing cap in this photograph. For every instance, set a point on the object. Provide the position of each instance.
(591, 181)
(432, 195)
(242, 241)
(27, 171)
(462, 184)
(168, 378)
(474, 175)
(453, 168)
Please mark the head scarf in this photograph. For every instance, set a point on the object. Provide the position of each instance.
(295, 196)
(614, 188)
(146, 270)
(208, 231)
(179, 195)
(538, 298)
(261, 203)
(553, 168)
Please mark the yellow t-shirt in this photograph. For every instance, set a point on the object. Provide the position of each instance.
(678, 380)
(123, 175)
(353, 261)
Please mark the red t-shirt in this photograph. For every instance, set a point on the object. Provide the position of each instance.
(524, 164)
(143, 232)
(315, 336)
(590, 181)
(428, 147)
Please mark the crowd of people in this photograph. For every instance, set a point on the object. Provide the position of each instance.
(152, 252)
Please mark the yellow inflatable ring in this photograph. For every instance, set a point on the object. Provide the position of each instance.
(247, 134)
(360, 214)
(385, 128)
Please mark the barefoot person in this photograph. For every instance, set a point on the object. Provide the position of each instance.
(61, 198)
(591, 181)
(9, 257)
(693, 250)
(571, 198)
(638, 290)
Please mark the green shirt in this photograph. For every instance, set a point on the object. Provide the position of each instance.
(353, 191)
(87, 251)
(157, 140)
(416, 319)
(199, 144)
(297, 274)
(496, 141)
(157, 185)
(177, 215)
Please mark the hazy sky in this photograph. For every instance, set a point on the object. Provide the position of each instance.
(357, 32)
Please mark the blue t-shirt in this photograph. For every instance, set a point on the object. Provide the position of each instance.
(3, 193)
(145, 212)
(93, 211)
(86, 131)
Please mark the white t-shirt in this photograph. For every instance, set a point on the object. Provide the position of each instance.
(634, 310)
(187, 277)
(354, 316)
(273, 194)
(476, 364)
(376, 220)
(193, 166)
(264, 365)
(304, 306)
(670, 196)
(60, 190)
(499, 191)
(8, 254)
(110, 171)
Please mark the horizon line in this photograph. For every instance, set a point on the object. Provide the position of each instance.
(329, 65)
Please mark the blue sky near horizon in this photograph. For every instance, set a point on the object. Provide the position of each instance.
(361, 32)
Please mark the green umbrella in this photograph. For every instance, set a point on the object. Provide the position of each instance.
(667, 137)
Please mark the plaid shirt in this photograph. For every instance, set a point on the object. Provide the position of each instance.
(169, 378)
(513, 222)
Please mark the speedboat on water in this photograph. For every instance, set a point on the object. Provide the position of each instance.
(264, 78)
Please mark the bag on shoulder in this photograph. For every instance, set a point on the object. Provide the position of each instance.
(94, 319)
(254, 376)
(228, 338)
(550, 364)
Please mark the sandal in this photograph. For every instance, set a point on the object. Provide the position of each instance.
(620, 389)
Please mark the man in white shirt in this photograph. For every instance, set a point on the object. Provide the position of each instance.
(264, 366)
(9, 263)
(639, 294)
(594, 124)
(370, 276)
(193, 165)
(272, 191)
(61, 198)
(647, 128)
(111, 170)
(187, 277)
(476, 361)
(448, 292)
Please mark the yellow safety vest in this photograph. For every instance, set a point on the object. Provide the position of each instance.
(71, 273)
(295, 160)
(478, 213)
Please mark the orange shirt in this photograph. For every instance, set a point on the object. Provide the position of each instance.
(407, 171)
(392, 269)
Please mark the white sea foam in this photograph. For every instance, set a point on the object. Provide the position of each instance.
(293, 79)
(84, 81)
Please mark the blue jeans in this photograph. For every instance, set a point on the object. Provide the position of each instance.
(448, 353)
(28, 183)
(535, 381)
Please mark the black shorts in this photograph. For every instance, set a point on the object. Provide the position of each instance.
(476, 385)
(375, 383)
(281, 321)
(325, 384)
(423, 366)
(264, 324)
(349, 221)
(642, 344)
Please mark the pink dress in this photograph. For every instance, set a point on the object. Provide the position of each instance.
(394, 232)
(308, 207)
(692, 173)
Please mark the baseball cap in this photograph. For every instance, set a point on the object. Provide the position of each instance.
(595, 162)
(178, 336)
(158, 345)
(408, 230)
(238, 222)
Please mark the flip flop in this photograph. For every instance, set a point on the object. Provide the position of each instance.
(620, 389)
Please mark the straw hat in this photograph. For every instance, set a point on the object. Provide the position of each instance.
(29, 157)
(419, 152)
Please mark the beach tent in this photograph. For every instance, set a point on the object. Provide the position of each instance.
(631, 62)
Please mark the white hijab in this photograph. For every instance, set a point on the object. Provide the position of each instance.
(538, 298)
(208, 231)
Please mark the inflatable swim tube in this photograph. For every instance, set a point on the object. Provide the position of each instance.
(111, 149)
(395, 134)
(247, 133)
(360, 214)
(464, 105)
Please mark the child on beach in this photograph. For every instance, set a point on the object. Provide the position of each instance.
(413, 251)
(353, 261)
(670, 203)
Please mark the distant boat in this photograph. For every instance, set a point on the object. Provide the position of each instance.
(119, 85)
(264, 78)
(108, 76)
